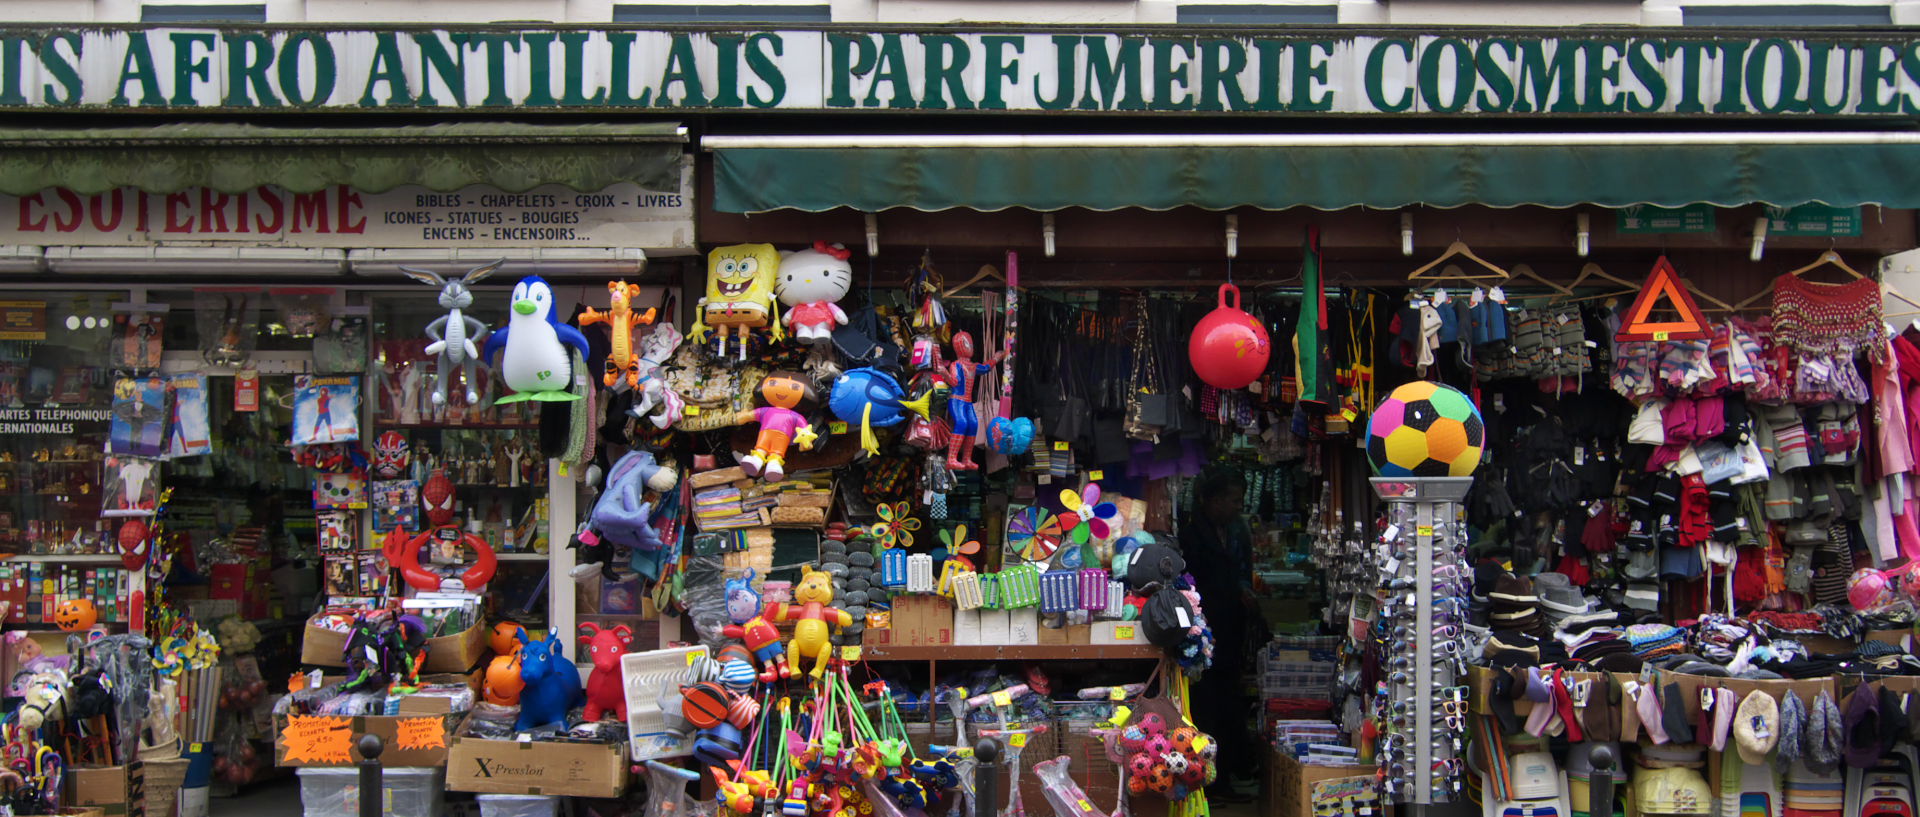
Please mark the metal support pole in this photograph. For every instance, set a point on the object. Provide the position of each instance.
(986, 778)
(372, 790)
(1600, 782)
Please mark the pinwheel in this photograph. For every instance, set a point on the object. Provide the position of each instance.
(1090, 515)
(1034, 531)
(896, 526)
(959, 548)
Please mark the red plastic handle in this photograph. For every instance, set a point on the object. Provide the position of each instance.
(1224, 289)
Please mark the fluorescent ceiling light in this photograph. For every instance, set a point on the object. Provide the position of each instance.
(217, 260)
(520, 260)
(22, 258)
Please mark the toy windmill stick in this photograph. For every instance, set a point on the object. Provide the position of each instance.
(1012, 327)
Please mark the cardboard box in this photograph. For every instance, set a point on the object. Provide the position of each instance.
(1289, 788)
(536, 767)
(322, 647)
(1079, 634)
(1023, 626)
(387, 727)
(1054, 636)
(1117, 632)
(966, 628)
(458, 653)
(996, 627)
(107, 787)
(923, 621)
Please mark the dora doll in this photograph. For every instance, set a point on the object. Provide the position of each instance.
(780, 425)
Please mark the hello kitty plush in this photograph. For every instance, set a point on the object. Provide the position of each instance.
(810, 282)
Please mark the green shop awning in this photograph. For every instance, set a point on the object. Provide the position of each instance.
(1328, 172)
(232, 158)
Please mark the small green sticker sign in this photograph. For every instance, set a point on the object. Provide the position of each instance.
(1693, 218)
(1813, 219)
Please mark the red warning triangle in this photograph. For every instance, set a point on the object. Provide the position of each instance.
(1664, 285)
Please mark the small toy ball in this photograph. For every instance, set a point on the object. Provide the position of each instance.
(1157, 745)
(1229, 348)
(1133, 737)
(1182, 739)
(1160, 779)
(76, 615)
(1195, 775)
(1139, 765)
(705, 704)
(505, 638)
(1176, 763)
(1205, 747)
(1136, 784)
(1868, 589)
(1425, 429)
(1153, 724)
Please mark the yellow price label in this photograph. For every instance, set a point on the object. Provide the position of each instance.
(1018, 740)
(1506, 565)
(1096, 476)
(1349, 415)
(1001, 698)
(693, 657)
(563, 469)
(1117, 694)
(851, 652)
(1124, 631)
(693, 410)
(837, 427)
(1059, 445)
(1423, 530)
(1662, 336)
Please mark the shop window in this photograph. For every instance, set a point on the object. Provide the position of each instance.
(1808, 15)
(204, 13)
(721, 13)
(56, 398)
(1257, 14)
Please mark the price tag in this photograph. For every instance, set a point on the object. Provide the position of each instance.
(693, 658)
(851, 652)
(1123, 632)
(1001, 698)
(1117, 694)
(563, 469)
(1662, 336)
(1060, 445)
(837, 427)
(1349, 415)
(1423, 530)
(1017, 740)
(693, 411)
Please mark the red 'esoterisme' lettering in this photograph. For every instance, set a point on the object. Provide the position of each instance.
(195, 211)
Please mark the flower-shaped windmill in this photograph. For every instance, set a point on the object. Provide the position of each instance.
(896, 525)
(1086, 516)
(1034, 532)
(959, 547)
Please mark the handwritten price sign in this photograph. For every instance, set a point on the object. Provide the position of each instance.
(421, 733)
(318, 739)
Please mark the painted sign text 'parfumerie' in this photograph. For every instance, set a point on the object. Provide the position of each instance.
(1458, 72)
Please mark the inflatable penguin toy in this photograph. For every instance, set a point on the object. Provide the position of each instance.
(536, 363)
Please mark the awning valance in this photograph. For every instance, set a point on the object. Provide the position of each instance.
(232, 158)
(1328, 172)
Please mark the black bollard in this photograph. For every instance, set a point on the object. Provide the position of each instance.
(986, 778)
(1600, 782)
(372, 789)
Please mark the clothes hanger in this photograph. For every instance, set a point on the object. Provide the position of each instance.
(987, 272)
(1887, 290)
(1524, 270)
(1828, 258)
(1452, 272)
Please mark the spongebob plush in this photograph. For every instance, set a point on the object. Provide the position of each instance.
(739, 295)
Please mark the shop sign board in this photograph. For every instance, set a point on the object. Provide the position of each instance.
(622, 215)
(1465, 71)
(1646, 218)
(1813, 219)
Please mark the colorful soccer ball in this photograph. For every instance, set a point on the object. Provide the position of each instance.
(1157, 745)
(1136, 784)
(1160, 779)
(1139, 765)
(1425, 429)
(1152, 723)
(1195, 775)
(1182, 739)
(1176, 763)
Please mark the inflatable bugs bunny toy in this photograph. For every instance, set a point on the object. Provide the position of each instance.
(453, 333)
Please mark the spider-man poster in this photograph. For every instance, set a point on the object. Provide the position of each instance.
(326, 410)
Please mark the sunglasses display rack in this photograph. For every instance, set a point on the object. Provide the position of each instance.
(1423, 581)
